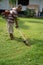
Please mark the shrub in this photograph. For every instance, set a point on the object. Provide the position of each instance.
(29, 13)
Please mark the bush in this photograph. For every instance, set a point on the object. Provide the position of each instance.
(29, 13)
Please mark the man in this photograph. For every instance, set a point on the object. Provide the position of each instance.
(11, 19)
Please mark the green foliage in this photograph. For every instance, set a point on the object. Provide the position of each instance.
(13, 2)
(0, 0)
(29, 12)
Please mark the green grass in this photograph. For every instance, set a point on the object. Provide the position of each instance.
(15, 52)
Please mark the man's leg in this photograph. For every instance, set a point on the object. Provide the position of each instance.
(11, 36)
(10, 29)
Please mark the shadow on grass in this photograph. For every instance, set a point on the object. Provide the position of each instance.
(35, 22)
(18, 39)
(30, 41)
(23, 25)
(35, 41)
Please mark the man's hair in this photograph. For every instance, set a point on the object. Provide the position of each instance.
(20, 6)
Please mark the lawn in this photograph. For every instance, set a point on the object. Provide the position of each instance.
(15, 52)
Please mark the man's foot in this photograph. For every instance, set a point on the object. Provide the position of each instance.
(11, 36)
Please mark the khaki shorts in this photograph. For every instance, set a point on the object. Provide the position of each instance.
(10, 27)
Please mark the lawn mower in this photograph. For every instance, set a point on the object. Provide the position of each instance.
(23, 36)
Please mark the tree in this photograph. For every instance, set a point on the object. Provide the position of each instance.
(0, 0)
(12, 2)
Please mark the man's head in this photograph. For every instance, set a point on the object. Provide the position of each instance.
(19, 8)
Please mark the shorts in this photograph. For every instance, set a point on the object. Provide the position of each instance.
(10, 27)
